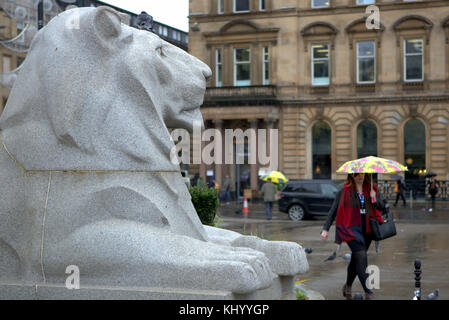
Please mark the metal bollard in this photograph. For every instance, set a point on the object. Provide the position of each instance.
(411, 199)
(417, 280)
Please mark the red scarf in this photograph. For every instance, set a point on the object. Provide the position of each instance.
(349, 219)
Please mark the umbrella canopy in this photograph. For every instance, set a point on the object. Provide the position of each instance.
(371, 165)
(276, 177)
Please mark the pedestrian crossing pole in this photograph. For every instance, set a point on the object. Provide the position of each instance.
(40, 15)
(417, 280)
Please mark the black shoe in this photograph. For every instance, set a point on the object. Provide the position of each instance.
(347, 292)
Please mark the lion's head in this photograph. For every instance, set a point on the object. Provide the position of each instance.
(99, 95)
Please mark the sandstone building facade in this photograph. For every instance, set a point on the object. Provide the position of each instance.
(335, 81)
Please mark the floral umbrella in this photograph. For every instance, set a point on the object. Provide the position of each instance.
(372, 165)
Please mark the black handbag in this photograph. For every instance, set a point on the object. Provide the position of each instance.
(384, 230)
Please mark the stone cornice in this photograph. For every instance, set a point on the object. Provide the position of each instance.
(300, 12)
(361, 99)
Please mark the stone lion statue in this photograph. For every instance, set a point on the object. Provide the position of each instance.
(87, 176)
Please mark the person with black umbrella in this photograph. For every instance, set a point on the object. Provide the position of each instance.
(399, 189)
(433, 190)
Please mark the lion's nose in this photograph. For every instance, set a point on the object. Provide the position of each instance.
(207, 72)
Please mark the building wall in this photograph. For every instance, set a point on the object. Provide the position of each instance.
(8, 31)
(343, 104)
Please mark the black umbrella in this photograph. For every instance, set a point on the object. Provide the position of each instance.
(430, 174)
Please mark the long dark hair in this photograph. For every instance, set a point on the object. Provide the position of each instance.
(366, 182)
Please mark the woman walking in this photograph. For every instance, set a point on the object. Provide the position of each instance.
(353, 210)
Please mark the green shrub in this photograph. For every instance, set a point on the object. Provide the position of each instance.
(205, 201)
(301, 295)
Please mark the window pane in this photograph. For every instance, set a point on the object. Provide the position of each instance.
(266, 79)
(414, 148)
(241, 5)
(218, 56)
(413, 46)
(321, 72)
(262, 4)
(365, 48)
(266, 66)
(265, 53)
(320, 50)
(366, 69)
(243, 75)
(220, 6)
(366, 1)
(219, 72)
(413, 65)
(366, 139)
(320, 3)
(242, 55)
(321, 150)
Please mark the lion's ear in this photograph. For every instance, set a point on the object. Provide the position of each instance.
(108, 25)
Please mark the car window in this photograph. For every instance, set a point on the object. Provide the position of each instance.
(303, 188)
(328, 189)
(308, 188)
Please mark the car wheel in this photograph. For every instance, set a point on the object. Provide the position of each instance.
(296, 212)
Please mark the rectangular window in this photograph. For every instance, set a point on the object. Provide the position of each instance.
(320, 64)
(266, 66)
(320, 3)
(262, 6)
(366, 2)
(6, 64)
(163, 31)
(241, 5)
(220, 6)
(218, 68)
(242, 64)
(413, 60)
(366, 62)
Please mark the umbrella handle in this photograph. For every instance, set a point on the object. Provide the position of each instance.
(372, 200)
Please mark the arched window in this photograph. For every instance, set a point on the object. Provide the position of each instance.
(414, 148)
(366, 139)
(321, 150)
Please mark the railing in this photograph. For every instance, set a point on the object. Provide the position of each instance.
(247, 93)
(419, 189)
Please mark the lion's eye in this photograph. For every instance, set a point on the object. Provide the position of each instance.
(159, 50)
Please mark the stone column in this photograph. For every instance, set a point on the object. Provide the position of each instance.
(202, 164)
(270, 125)
(218, 151)
(254, 167)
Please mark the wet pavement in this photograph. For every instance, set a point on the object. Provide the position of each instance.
(421, 234)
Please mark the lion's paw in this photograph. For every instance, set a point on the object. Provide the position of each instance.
(286, 258)
(124, 253)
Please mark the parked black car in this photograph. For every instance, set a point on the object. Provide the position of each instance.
(302, 198)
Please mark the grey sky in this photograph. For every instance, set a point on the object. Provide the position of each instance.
(170, 12)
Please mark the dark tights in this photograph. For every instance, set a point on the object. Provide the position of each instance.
(359, 263)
